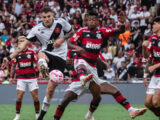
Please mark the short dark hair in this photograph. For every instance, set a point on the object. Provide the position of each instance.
(93, 13)
(157, 19)
(46, 9)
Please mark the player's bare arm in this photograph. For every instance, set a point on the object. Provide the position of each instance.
(12, 73)
(145, 53)
(154, 67)
(146, 72)
(68, 35)
(19, 49)
(79, 49)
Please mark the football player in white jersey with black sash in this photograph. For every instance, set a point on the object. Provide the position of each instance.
(52, 34)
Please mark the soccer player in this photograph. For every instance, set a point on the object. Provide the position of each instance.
(107, 88)
(152, 49)
(26, 77)
(52, 34)
(87, 42)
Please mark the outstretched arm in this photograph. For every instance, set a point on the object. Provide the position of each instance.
(20, 48)
(17, 51)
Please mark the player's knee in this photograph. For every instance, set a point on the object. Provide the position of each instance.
(156, 103)
(148, 104)
(19, 98)
(35, 97)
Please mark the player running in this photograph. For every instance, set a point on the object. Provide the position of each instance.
(52, 34)
(152, 49)
(26, 77)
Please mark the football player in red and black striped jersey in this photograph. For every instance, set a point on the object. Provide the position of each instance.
(151, 49)
(26, 76)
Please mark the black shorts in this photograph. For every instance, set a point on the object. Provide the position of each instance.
(55, 62)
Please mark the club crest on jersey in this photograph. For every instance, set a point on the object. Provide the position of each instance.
(99, 36)
(93, 46)
(29, 56)
(57, 30)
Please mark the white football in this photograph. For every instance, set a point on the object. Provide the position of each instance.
(56, 76)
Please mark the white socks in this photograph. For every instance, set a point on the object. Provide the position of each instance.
(131, 109)
(46, 104)
(42, 61)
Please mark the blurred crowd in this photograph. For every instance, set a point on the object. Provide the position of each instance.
(121, 56)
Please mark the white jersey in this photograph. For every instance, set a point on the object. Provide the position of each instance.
(47, 36)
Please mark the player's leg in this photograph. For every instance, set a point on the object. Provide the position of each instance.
(54, 62)
(33, 87)
(47, 99)
(107, 88)
(96, 93)
(68, 97)
(156, 102)
(21, 86)
(149, 95)
(43, 60)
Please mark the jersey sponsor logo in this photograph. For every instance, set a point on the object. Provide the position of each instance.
(93, 46)
(27, 64)
(156, 54)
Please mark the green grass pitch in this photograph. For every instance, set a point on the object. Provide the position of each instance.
(75, 112)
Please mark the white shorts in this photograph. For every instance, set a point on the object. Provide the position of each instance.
(78, 89)
(153, 85)
(90, 70)
(23, 84)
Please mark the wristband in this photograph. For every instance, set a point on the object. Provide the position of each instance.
(145, 75)
(9, 58)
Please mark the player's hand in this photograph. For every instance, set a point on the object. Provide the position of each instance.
(145, 82)
(151, 68)
(70, 72)
(57, 43)
(5, 62)
(10, 81)
(80, 50)
(145, 43)
(40, 76)
(121, 17)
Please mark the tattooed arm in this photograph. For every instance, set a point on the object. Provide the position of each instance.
(13, 67)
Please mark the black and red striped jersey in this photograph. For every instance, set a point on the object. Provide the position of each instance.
(91, 41)
(25, 62)
(154, 48)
